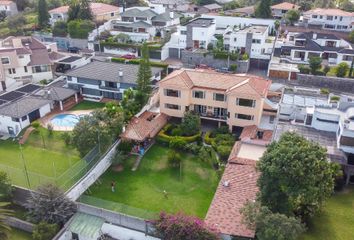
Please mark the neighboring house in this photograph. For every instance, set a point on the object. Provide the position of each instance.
(280, 10)
(210, 8)
(101, 12)
(253, 40)
(25, 59)
(307, 107)
(173, 5)
(241, 12)
(299, 47)
(199, 33)
(20, 107)
(144, 23)
(9, 7)
(98, 80)
(235, 100)
(329, 18)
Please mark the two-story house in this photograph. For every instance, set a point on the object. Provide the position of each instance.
(101, 12)
(329, 18)
(281, 9)
(235, 100)
(98, 80)
(25, 59)
(253, 40)
(299, 47)
(144, 23)
(9, 7)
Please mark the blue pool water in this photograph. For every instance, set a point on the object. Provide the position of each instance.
(65, 120)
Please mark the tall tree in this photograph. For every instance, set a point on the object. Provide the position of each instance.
(270, 226)
(144, 74)
(5, 186)
(43, 15)
(315, 64)
(263, 9)
(85, 12)
(4, 214)
(49, 204)
(74, 9)
(296, 176)
(292, 16)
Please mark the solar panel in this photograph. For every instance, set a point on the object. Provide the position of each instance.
(11, 96)
(28, 88)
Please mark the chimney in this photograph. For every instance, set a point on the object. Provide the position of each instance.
(314, 36)
(172, 14)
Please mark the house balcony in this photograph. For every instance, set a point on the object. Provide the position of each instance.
(115, 89)
(210, 113)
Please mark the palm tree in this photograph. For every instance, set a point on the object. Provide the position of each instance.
(4, 214)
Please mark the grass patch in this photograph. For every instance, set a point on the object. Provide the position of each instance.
(17, 234)
(87, 105)
(190, 192)
(335, 221)
(46, 157)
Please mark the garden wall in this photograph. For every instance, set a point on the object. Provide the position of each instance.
(191, 59)
(333, 83)
(20, 224)
(20, 195)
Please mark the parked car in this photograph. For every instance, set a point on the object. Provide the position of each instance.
(223, 70)
(129, 56)
(73, 49)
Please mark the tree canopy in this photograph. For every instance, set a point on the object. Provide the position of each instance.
(49, 204)
(144, 73)
(315, 64)
(43, 15)
(44, 231)
(292, 16)
(5, 186)
(190, 124)
(263, 9)
(296, 176)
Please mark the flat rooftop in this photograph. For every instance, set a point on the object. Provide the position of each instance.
(255, 29)
(201, 22)
(70, 59)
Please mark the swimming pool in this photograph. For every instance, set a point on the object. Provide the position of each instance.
(65, 120)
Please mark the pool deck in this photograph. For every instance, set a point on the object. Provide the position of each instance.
(46, 119)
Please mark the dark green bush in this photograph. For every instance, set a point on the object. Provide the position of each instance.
(304, 69)
(125, 147)
(177, 143)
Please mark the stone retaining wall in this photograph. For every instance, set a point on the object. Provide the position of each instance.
(333, 83)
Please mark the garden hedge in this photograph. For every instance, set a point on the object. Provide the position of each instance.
(137, 62)
(162, 137)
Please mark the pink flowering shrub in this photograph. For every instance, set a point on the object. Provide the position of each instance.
(182, 227)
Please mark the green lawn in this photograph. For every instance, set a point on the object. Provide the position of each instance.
(17, 234)
(45, 160)
(87, 105)
(191, 192)
(335, 222)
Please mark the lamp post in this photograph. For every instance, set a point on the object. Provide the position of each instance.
(24, 164)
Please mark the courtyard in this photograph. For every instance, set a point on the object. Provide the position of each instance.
(155, 186)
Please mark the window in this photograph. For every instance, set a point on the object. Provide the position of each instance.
(271, 119)
(245, 102)
(244, 116)
(172, 106)
(5, 60)
(198, 94)
(340, 18)
(347, 58)
(183, 32)
(24, 118)
(112, 14)
(235, 39)
(314, 16)
(41, 68)
(25, 67)
(283, 11)
(256, 41)
(321, 17)
(335, 17)
(330, 26)
(12, 71)
(15, 119)
(21, 56)
(326, 120)
(219, 97)
(172, 93)
(330, 18)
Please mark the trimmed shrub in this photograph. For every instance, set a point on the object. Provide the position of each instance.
(207, 138)
(176, 131)
(324, 91)
(244, 57)
(177, 143)
(35, 125)
(125, 147)
(303, 69)
(342, 69)
(67, 138)
(118, 60)
(233, 67)
(335, 98)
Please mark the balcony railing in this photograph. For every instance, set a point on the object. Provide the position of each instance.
(108, 88)
(213, 116)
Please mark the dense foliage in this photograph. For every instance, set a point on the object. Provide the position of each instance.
(60, 29)
(292, 16)
(144, 73)
(43, 15)
(4, 226)
(44, 231)
(80, 28)
(296, 177)
(190, 124)
(315, 64)
(5, 186)
(342, 69)
(49, 204)
(182, 227)
(271, 226)
(263, 9)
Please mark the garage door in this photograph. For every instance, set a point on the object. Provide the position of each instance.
(278, 74)
(173, 52)
(259, 63)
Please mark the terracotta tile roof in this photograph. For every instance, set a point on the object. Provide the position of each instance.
(96, 8)
(145, 126)
(285, 6)
(330, 12)
(224, 211)
(189, 78)
(249, 135)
